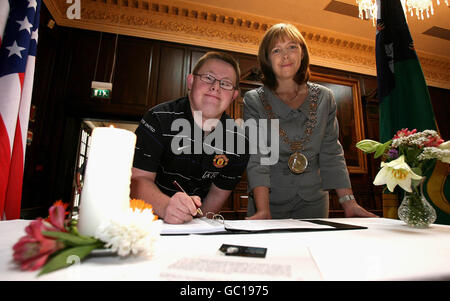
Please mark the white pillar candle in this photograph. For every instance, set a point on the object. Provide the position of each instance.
(106, 188)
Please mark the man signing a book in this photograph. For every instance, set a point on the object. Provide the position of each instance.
(189, 141)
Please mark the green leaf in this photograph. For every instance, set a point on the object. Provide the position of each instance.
(71, 239)
(367, 145)
(379, 151)
(74, 228)
(65, 258)
(417, 171)
(411, 153)
(381, 148)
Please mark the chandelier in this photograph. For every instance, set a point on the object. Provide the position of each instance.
(368, 8)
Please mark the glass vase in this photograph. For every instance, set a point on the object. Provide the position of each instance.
(415, 210)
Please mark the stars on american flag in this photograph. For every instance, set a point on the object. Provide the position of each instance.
(32, 3)
(15, 48)
(34, 35)
(25, 25)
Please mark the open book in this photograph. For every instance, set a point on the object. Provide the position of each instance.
(204, 225)
(195, 226)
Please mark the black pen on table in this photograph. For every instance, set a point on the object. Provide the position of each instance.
(180, 189)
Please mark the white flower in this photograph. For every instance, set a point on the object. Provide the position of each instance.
(445, 145)
(131, 232)
(439, 153)
(396, 172)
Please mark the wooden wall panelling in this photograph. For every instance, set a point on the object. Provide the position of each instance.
(195, 55)
(132, 72)
(369, 194)
(45, 158)
(440, 99)
(105, 53)
(63, 126)
(54, 123)
(171, 77)
(246, 63)
(131, 77)
(349, 114)
(372, 121)
(67, 159)
(83, 47)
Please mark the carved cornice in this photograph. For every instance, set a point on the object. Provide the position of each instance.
(190, 23)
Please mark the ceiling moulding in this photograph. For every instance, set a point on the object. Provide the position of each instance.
(190, 23)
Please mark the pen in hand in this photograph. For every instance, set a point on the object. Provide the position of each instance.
(180, 189)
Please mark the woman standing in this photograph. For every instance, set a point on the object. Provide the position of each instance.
(311, 159)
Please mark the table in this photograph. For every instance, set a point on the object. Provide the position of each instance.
(386, 250)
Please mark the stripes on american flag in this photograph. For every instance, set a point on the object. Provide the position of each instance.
(19, 22)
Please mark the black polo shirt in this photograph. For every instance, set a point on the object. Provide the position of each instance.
(202, 160)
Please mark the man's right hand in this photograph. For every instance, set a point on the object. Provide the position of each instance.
(181, 208)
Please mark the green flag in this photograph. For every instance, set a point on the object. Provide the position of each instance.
(402, 90)
(403, 93)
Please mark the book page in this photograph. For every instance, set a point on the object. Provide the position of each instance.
(272, 224)
(196, 226)
(226, 268)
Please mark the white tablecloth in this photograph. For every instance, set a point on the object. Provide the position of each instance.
(387, 250)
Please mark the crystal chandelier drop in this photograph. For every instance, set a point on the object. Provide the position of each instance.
(368, 8)
(421, 6)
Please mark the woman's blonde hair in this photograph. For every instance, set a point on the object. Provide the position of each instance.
(280, 32)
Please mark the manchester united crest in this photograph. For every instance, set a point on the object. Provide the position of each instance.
(220, 161)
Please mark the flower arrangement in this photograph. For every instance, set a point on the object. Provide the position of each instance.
(50, 243)
(405, 160)
(406, 157)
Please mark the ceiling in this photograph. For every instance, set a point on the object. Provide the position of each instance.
(342, 16)
(336, 37)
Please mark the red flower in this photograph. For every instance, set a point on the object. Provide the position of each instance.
(433, 141)
(57, 213)
(404, 133)
(33, 250)
(56, 217)
(60, 203)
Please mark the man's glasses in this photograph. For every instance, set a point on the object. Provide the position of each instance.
(223, 83)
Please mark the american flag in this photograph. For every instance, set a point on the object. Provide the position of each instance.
(19, 21)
